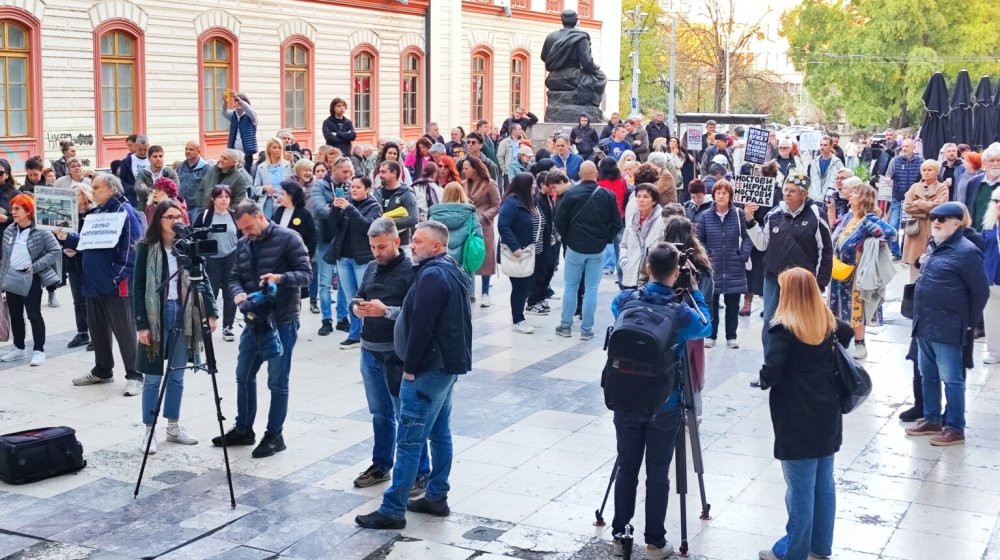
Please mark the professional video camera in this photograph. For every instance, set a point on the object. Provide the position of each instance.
(689, 274)
(193, 245)
(256, 309)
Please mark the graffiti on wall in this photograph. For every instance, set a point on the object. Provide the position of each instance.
(53, 139)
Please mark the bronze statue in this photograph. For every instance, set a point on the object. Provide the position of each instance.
(575, 83)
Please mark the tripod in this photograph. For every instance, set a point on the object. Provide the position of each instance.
(196, 276)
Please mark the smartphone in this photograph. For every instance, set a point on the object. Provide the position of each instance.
(357, 301)
(338, 192)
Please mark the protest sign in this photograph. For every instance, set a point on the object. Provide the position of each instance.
(101, 231)
(809, 140)
(759, 190)
(884, 189)
(694, 133)
(55, 208)
(756, 150)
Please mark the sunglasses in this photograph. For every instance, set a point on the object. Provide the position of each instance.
(2, 172)
(940, 219)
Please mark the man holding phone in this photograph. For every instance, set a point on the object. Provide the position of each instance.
(337, 185)
(378, 302)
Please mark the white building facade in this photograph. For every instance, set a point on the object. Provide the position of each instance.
(95, 71)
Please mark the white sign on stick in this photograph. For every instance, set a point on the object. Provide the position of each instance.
(101, 231)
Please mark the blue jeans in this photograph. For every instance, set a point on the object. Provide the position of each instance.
(811, 501)
(323, 278)
(385, 410)
(314, 283)
(425, 414)
(342, 311)
(943, 363)
(248, 363)
(351, 274)
(654, 437)
(588, 267)
(173, 319)
(895, 217)
(772, 293)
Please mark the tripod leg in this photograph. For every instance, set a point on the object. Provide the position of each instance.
(681, 483)
(152, 427)
(691, 419)
(599, 514)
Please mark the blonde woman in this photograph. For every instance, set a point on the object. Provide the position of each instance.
(805, 412)
(991, 260)
(269, 175)
(457, 212)
(922, 197)
(628, 156)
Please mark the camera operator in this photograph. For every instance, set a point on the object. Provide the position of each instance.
(275, 259)
(166, 330)
(378, 302)
(106, 287)
(433, 337)
(638, 434)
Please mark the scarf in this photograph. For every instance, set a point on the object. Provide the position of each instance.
(156, 301)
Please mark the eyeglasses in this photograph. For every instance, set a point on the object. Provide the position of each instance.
(940, 219)
(172, 218)
(2, 172)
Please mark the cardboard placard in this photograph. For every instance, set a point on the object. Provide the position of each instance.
(55, 209)
(809, 140)
(101, 231)
(884, 189)
(759, 190)
(694, 133)
(756, 149)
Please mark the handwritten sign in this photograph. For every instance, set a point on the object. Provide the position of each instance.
(759, 190)
(756, 149)
(809, 140)
(694, 133)
(101, 231)
(884, 189)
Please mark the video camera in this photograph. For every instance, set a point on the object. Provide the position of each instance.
(192, 244)
(687, 279)
(256, 309)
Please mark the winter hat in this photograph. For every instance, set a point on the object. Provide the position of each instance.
(167, 185)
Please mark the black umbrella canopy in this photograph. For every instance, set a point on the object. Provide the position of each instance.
(996, 113)
(934, 128)
(960, 117)
(983, 115)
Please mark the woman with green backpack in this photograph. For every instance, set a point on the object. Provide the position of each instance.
(457, 213)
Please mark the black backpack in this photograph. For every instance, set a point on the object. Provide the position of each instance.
(641, 369)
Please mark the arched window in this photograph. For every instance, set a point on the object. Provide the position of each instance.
(364, 89)
(411, 90)
(554, 6)
(14, 56)
(519, 75)
(521, 4)
(482, 85)
(218, 71)
(297, 86)
(120, 76)
(585, 8)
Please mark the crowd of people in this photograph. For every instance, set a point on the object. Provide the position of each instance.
(385, 243)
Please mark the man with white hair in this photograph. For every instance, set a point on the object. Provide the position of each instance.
(190, 173)
(106, 287)
(226, 172)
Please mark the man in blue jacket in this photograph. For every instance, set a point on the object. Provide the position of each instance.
(903, 171)
(433, 337)
(948, 302)
(638, 434)
(105, 285)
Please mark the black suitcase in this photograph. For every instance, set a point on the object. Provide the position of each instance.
(38, 454)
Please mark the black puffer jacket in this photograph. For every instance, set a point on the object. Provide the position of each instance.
(588, 218)
(389, 284)
(350, 231)
(278, 250)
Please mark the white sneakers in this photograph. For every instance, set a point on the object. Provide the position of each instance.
(14, 355)
(524, 328)
(148, 435)
(133, 387)
(37, 358)
(860, 351)
(484, 301)
(991, 359)
(180, 435)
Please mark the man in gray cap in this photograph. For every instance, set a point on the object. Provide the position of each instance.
(721, 147)
(948, 302)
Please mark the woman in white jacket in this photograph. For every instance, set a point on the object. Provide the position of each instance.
(270, 173)
(643, 230)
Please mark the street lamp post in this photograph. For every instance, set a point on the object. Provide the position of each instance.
(638, 22)
(673, 61)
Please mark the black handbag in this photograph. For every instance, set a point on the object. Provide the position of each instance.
(906, 308)
(38, 454)
(853, 382)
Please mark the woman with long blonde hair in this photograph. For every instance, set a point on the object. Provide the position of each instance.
(805, 412)
(457, 213)
(991, 260)
(270, 173)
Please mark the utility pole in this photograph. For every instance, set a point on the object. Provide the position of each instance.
(673, 62)
(638, 23)
(727, 74)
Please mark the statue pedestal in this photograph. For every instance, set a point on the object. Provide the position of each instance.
(539, 132)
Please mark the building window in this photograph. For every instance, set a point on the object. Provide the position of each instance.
(410, 89)
(296, 89)
(518, 81)
(482, 85)
(585, 8)
(363, 89)
(216, 55)
(117, 84)
(554, 6)
(15, 84)
(521, 4)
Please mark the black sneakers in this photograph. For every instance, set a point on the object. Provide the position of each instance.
(423, 505)
(235, 437)
(326, 328)
(269, 445)
(376, 520)
(81, 339)
(344, 325)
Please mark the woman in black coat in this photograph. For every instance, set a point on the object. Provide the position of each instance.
(519, 224)
(291, 212)
(805, 412)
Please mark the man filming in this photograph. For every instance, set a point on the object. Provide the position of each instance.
(638, 433)
(271, 266)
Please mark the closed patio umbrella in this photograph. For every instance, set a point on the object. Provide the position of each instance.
(960, 118)
(934, 128)
(983, 115)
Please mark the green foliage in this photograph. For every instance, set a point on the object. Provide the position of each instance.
(654, 64)
(871, 59)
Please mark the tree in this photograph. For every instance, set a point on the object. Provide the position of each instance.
(652, 71)
(870, 60)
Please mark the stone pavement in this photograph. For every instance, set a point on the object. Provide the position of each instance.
(534, 448)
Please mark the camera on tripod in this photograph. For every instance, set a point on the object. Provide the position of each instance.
(687, 279)
(193, 245)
